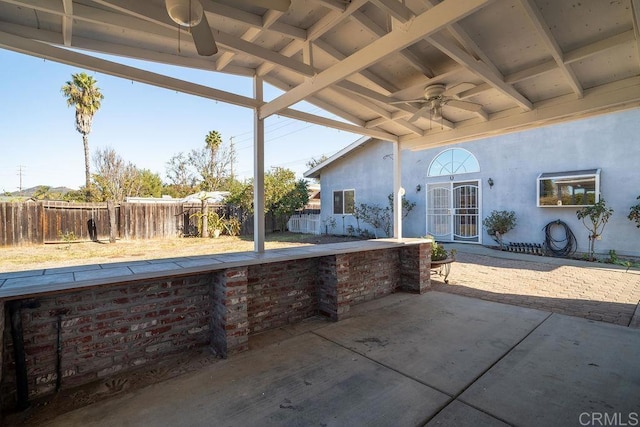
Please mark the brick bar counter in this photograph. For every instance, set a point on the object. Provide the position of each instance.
(98, 320)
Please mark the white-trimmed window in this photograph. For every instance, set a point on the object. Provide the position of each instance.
(572, 189)
(453, 161)
(344, 202)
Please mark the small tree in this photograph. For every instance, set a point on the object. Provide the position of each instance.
(634, 213)
(594, 218)
(379, 217)
(498, 224)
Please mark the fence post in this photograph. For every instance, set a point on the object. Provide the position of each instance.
(111, 209)
(205, 218)
(42, 230)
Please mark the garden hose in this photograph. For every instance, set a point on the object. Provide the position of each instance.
(554, 246)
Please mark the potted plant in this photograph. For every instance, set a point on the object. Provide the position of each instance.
(441, 259)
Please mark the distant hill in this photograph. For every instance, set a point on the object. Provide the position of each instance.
(29, 192)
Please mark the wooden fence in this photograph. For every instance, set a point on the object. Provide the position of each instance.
(41, 222)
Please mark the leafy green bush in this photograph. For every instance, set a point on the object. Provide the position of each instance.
(232, 226)
(379, 217)
(498, 224)
(67, 237)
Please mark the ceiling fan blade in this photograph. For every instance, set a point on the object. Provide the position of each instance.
(280, 5)
(456, 89)
(407, 101)
(413, 92)
(203, 38)
(419, 113)
(464, 105)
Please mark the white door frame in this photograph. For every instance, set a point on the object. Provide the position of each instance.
(445, 216)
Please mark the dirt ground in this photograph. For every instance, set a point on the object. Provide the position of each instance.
(32, 257)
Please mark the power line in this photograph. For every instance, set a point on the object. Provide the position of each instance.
(272, 126)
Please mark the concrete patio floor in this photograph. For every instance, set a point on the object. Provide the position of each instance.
(434, 359)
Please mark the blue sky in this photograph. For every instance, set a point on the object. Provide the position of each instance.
(145, 125)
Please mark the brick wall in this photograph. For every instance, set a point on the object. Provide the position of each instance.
(415, 268)
(107, 330)
(229, 324)
(353, 278)
(372, 274)
(115, 328)
(282, 293)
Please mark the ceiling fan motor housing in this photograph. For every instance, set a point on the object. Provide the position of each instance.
(187, 13)
(434, 91)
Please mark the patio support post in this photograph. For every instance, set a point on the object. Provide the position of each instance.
(398, 191)
(258, 169)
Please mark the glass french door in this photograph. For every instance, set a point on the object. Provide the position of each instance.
(453, 212)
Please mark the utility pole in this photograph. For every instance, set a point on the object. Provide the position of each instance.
(20, 173)
(232, 155)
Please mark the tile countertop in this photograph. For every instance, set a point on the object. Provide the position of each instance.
(20, 284)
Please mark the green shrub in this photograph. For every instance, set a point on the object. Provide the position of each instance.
(498, 224)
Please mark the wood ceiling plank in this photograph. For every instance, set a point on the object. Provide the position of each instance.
(250, 35)
(480, 69)
(537, 20)
(423, 25)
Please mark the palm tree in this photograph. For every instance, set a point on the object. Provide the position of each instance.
(81, 91)
(213, 141)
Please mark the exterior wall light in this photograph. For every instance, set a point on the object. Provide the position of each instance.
(490, 182)
(418, 188)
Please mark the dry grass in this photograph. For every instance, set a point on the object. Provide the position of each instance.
(61, 255)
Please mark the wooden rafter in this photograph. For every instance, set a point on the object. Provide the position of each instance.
(544, 33)
(67, 22)
(422, 26)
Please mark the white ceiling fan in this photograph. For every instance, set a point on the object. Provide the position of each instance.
(190, 14)
(437, 96)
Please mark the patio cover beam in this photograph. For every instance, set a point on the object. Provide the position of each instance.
(67, 22)
(144, 11)
(611, 97)
(422, 26)
(398, 191)
(301, 115)
(43, 50)
(376, 30)
(635, 6)
(69, 57)
(258, 170)
(250, 35)
(256, 21)
(480, 69)
(544, 33)
(317, 30)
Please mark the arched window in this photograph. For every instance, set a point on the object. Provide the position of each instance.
(453, 161)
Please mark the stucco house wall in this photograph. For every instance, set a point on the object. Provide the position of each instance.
(513, 161)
